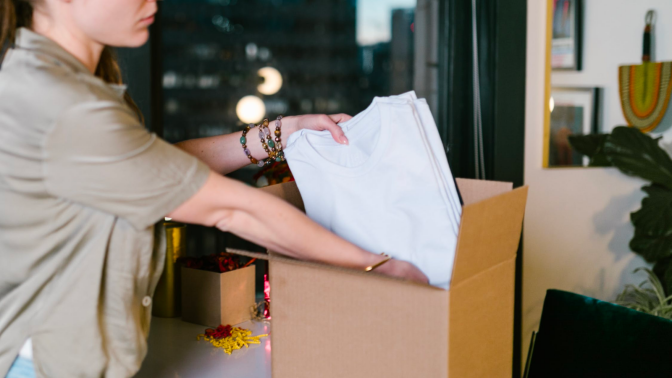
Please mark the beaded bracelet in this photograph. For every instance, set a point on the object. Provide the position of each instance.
(272, 147)
(243, 141)
(280, 156)
(268, 147)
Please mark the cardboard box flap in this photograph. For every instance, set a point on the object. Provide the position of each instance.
(481, 324)
(473, 191)
(254, 255)
(489, 233)
(287, 191)
(270, 256)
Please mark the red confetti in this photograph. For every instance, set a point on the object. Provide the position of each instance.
(220, 262)
(220, 332)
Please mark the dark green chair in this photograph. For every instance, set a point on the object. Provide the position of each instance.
(585, 337)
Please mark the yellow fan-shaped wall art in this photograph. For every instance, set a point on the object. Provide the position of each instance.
(645, 93)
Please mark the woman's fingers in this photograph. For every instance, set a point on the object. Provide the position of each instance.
(323, 122)
(403, 269)
(341, 117)
(329, 123)
(414, 274)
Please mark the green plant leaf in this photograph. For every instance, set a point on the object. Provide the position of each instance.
(651, 299)
(663, 270)
(591, 145)
(653, 224)
(637, 154)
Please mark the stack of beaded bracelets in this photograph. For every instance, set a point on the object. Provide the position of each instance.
(272, 146)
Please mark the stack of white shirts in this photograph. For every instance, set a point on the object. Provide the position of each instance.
(390, 190)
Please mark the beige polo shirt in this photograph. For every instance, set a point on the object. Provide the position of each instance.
(82, 184)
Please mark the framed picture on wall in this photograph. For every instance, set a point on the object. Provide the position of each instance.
(574, 111)
(566, 39)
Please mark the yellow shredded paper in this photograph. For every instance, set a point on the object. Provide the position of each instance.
(240, 337)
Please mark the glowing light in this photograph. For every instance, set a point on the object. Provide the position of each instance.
(251, 51)
(250, 109)
(264, 53)
(272, 80)
(551, 104)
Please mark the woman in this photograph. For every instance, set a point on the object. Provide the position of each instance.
(82, 184)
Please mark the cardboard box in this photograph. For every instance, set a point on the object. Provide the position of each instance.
(329, 321)
(211, 299)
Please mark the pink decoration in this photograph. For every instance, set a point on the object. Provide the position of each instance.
(267, 296)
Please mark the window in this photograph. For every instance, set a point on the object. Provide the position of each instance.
(230, 62)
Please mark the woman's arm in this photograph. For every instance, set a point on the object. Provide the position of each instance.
(224, 154)
(273, 223)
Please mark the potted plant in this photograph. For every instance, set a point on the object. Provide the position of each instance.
(637, 154)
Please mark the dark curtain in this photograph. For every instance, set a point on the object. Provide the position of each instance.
(502, 55)
(501, 50)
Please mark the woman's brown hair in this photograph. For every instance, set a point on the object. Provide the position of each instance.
(15, 14)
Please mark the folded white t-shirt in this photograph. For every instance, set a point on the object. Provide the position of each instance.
(390, 190)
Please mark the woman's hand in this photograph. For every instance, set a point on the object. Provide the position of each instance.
(318, 122)
(402, 269)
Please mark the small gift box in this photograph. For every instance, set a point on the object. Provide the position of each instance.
(211, 298)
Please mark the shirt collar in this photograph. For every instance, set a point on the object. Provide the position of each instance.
(120, 89)
(29, 40)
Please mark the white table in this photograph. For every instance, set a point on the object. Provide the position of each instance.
(174, 352)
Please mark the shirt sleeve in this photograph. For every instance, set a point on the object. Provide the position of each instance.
(99, 155)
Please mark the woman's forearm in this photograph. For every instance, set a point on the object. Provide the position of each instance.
(268, 221)
(286, 230)
(224, 153)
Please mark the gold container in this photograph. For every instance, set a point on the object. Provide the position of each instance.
(167, 297)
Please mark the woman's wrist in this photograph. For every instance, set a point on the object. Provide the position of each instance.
(317, 122)
(289, 126)
(389, 268)
(358, 258)
(402, 269)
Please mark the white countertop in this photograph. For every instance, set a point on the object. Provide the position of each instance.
(174, 352)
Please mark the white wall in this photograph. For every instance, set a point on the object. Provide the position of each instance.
(577, 226)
